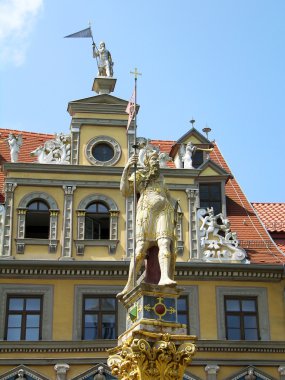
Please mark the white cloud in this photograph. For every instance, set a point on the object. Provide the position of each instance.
(17, 20)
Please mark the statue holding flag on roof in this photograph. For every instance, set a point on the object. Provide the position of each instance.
(105, 63)
(102, 55)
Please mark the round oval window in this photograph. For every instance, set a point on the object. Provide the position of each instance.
(103, 152)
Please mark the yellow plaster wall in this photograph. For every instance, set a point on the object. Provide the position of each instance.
(209, 172)
(88, 132)
(193, 139)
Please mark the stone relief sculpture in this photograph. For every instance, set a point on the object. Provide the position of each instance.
(155, 221)
(56, 151)
(15, 143)
(217, 241)
(21, 375)
(104, 60)
(100, 374)
(145, 147)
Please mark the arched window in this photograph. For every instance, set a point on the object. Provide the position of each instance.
(37, 220)
(97, 221)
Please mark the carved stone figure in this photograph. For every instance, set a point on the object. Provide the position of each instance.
(163, 159)
(217, 241)
(20, 375)
(155, 223)
(55, 151)
(184, 158)
(100, 374)
(105, 63)
(14, 143)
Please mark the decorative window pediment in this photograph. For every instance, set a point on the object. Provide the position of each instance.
(91, 373)
(22, 372)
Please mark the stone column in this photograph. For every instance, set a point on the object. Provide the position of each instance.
(129, 227)
(212, 370)
(61, 371)
(281, 371)
(193, 246)
(8, 223)
(67, 222)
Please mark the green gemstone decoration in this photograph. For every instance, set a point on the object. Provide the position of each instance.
(133, 313)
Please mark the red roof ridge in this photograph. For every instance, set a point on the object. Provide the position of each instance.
(4, 130)
(268, 203)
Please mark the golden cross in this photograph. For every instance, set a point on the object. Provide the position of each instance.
(136, 73)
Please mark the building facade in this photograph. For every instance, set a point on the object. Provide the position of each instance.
(67, 238)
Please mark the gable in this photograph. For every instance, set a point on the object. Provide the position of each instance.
(210, 168)
(28, 373)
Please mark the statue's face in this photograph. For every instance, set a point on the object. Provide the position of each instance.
(102, 45)
(153, 161)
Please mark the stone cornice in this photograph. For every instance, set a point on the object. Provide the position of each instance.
(101, 345)
(190, 271)
(67, 169)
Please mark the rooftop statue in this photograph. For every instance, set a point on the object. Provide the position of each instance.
(155, 219)
(186, 153)
(105, 63)
(14, 142)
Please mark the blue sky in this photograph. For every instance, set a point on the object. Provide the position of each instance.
(219, 61)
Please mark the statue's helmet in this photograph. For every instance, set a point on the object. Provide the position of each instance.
(102, 44)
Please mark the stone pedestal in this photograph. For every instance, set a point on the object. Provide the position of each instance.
(104, 85)
(155, 345)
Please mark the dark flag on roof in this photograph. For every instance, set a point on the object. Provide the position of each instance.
(85, 33)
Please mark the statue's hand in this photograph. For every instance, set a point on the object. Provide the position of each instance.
(133, 160)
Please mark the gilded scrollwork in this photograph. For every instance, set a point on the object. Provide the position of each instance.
(138, 359)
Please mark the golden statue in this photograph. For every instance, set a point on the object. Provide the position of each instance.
(155, 225)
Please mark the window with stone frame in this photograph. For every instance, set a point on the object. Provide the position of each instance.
(97, 221)
(99, 317)
(37, 220)
(23, 318)
(210, 195)
(241, 318)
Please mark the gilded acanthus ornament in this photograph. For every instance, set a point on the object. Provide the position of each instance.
(138, 359)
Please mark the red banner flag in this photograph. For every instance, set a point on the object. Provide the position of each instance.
(131, 108)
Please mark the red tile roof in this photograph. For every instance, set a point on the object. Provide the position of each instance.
(251, 232)
(252, 235)
(272, 215)
(31, 141)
